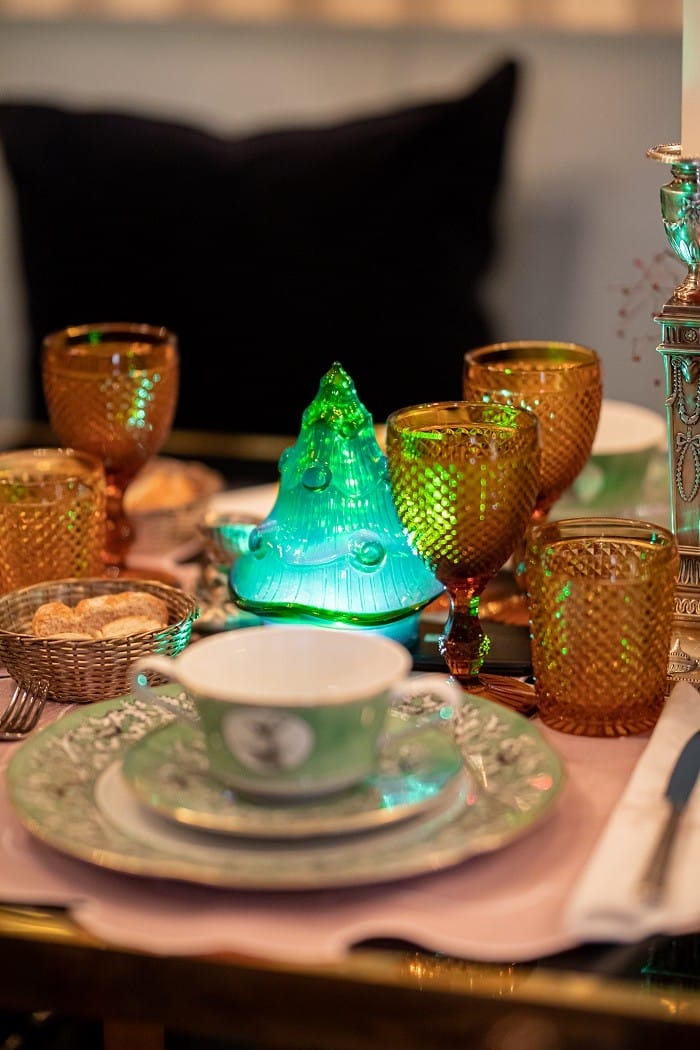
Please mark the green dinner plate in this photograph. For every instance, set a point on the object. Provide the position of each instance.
(67, 787)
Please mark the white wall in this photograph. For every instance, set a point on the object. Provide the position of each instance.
(580, 205)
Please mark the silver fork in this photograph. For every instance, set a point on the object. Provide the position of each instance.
(24, 709)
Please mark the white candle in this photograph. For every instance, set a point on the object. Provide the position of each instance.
(690, 113)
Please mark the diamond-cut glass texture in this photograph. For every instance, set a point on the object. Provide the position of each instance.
(52, 517)
(464, 479)
(562, 384)
(116, 399)
(601, 602)
(464, 490)
(112, 389)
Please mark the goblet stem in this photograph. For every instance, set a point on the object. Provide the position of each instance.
(119, 532)
(464, 646)
(463, 643)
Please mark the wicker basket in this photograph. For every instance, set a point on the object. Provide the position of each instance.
(84, 671)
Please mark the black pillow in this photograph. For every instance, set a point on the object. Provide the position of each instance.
(271, 255)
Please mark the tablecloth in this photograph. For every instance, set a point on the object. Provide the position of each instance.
(507, 905)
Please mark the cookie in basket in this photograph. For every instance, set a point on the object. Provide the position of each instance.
(134, 612)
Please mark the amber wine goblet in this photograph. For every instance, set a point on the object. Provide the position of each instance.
(562, 384)
(464, 478)
(112, 389)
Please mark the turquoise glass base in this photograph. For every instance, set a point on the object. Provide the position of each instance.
(405, 631)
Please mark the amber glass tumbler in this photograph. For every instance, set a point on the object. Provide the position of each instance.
(601, 603)
(52, 516)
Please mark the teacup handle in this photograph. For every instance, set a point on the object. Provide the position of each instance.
(164, 666)
(447, 690)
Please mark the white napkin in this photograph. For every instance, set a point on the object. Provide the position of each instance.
(605, 904)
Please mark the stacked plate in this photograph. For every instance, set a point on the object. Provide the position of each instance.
(146, 803)
(168, 772)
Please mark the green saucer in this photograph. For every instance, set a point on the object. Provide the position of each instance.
(167, 770)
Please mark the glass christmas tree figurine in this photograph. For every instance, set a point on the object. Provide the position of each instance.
(332, 551)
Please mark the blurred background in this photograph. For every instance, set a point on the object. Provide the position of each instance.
(580, 252)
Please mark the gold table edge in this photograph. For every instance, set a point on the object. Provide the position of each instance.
(519, 982)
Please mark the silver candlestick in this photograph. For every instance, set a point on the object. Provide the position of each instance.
(680, 349)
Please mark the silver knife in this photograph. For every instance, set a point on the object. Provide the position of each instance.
(678, 791)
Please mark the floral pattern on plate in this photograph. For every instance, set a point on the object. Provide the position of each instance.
(67, 788)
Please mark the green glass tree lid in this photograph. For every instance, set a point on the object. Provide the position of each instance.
(332, 548)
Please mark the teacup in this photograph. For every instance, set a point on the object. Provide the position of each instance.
(291, 711)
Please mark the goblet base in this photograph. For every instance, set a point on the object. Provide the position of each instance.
(506, 689)
(510, 692)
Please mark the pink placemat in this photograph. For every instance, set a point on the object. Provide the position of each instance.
(503, 906)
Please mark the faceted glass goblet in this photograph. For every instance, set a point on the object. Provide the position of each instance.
(112, 389)
(464, 479)
(562, 384)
